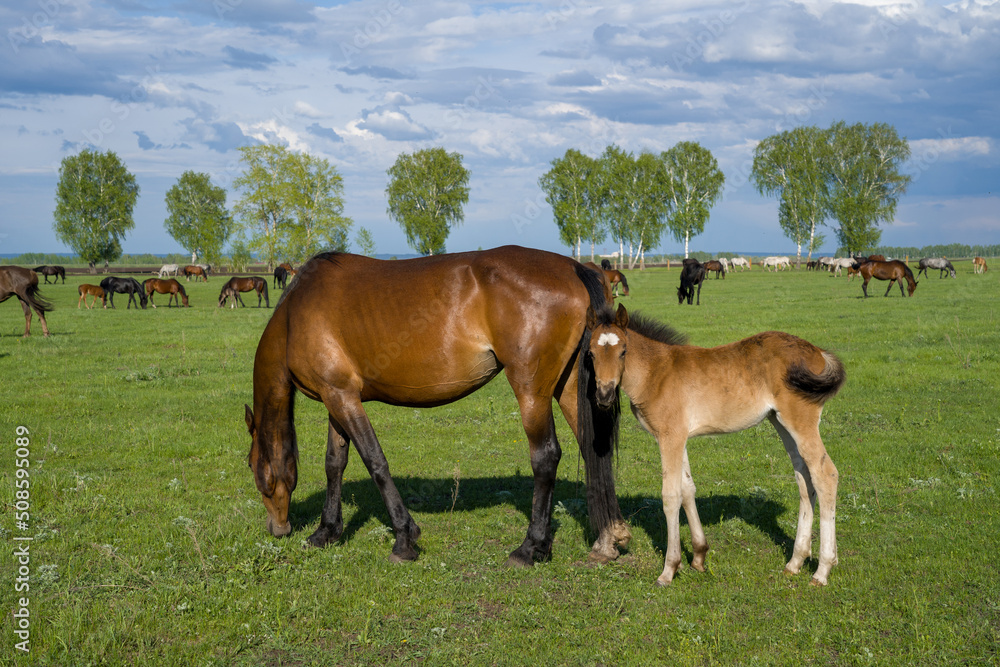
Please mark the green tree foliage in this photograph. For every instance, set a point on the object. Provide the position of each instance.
(366, 242)
(197, 217)
(634, 201)
(290, 205)
(692, 184)
(792, 165)
(427, 191)
(95, 198)
(865, 181)
(570, 189)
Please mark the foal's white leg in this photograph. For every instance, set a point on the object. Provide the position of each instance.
(698, 542)
(817, 478)
(672, 467)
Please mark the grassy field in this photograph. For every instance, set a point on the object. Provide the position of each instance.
(148, 533)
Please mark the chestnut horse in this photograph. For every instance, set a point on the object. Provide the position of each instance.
(248, 284)
(979, 265)
(196, 271)
(715, 265)
(893, 270)
(55, 271)
(614, 276)
(170, 286)
(723, 389)
(23, 283)
(91, 290)
(421, 333)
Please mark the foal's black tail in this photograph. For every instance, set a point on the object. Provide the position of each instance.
(597, 427)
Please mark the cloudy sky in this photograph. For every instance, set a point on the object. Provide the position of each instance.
(179, 85)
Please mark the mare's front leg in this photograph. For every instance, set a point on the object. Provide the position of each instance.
(536, 417)
(671, 469)
(331, 523)
(889, 288)
(349, 413)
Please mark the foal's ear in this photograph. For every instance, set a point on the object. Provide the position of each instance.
(249, 418)
(621, 316)
(591, 318)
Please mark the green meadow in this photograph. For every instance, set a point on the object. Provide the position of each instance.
(149, 548)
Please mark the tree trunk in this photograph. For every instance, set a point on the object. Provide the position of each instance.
(93, 267)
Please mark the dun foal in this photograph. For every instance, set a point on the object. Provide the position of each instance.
(678, 391)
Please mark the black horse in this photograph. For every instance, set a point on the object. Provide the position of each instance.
(280, 277)
(55, 271)
(129, 286)
(692, 275)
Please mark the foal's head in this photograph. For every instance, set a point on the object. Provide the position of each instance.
(608, 344)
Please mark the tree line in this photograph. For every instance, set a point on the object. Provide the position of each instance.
(948, 250)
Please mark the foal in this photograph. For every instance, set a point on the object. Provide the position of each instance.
(678, 391)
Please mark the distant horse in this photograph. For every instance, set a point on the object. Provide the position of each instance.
(725, 263)
(207, 268)
(979, 265)
(773, 375)
(614, 277)
(777, 262)
(168, 269)
(248, 284)
(740, 262)
(811, 265)
(606, 264)
(280, 277)
(91, 290)
(715, 265)
(425, 332)
(692, 275)
(129, 286)
(835, 265)
(23, 283)
(55, 271)
(196, 271)
(892, 270)
(171, 287)
(936, 263)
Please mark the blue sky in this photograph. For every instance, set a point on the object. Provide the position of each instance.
(173, 86)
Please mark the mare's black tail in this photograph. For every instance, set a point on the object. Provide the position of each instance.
(597, 427)
(35, 299)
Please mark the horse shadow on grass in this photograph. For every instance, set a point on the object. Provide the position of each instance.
(438, 495)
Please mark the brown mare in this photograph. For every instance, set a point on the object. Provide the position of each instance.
(23, 283)
(979, 265)
(91, 290)
(169, 286)
(678, 391)
(892, 270)
(56, 272)
(248, 284)
(614, 276)
(715, 265)
(196, 271)
(421, 333)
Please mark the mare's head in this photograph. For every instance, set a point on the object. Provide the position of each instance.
(184, 296)
(608, 344)
(275, 472)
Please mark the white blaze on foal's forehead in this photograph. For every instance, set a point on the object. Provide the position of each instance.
(608, 339)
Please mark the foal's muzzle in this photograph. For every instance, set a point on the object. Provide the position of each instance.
(606, 394)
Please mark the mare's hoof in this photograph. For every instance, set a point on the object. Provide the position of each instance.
(403, 558)
(323, 537)
(601, 557)
(518, 560)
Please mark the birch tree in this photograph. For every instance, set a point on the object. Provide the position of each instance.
(692, 183)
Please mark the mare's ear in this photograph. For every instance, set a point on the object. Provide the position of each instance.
(621, 316)
(591, 318)
(249, 418)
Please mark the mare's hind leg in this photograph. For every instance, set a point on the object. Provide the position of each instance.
(817, 478)
(349, 413)
(699, 545)
(889, 288)
(331, 523)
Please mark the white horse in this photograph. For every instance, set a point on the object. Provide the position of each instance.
(839, 263)
(777, 263)
(168, 269)
(740, 262)
(725, 263)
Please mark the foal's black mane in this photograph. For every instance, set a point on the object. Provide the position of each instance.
(645, 326)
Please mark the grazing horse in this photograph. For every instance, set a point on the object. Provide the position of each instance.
(835, 265)
(773, 375)
(979, 265)
(614, 276)
(777, 262)
(280, 277)
(55, 271)
(936, 263)
(23, 283)
(715, 265)
(168, 269)
(171, 287)
(196, 271)
(425, 332)
(740, 262)
(892, 270)
(692, 275)
(91, 290)
(248, 284)
(129, 286)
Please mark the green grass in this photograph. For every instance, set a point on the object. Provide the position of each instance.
(149, 543)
